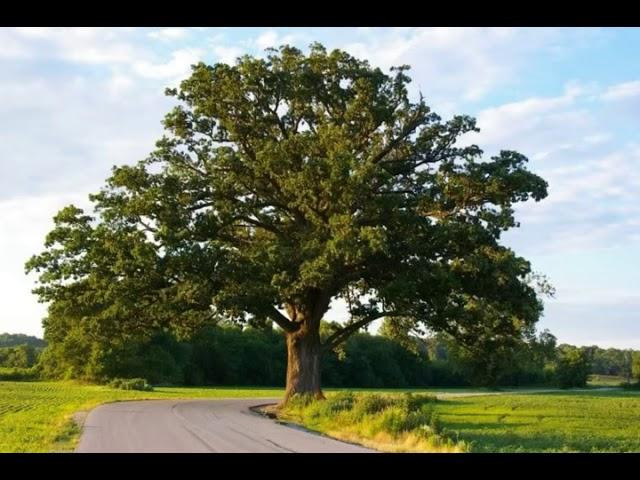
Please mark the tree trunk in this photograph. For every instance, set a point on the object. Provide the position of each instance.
(303, 363)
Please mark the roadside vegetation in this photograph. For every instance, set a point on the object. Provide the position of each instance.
(389, 423)
(572, 421)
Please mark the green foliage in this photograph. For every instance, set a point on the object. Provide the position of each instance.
(610, 361)
(375, 361)
(597, 380)
(403, 331)
(572, 367)
(19, 374)
(282, 183)
(16, 339)
(518, 362)
(636, 366)
(424, 422)
(20, 356)
(408, 421)
(370, 404)
(411, 402)
(339, 402)
(255, 356)
(140, 384)
(19, 350)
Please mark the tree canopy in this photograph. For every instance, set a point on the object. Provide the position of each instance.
(284, 183)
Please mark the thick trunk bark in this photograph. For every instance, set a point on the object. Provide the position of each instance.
(303, 362)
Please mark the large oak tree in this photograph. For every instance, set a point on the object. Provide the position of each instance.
(287, 182)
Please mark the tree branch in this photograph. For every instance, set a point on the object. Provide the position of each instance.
(406, 131)
(342, 334)
(259, 224)
(186, 163)
(282, 321)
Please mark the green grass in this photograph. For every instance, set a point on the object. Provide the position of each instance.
(550, 422)
(37, 416)
(605, 380)
(390, 422)
(571, 421)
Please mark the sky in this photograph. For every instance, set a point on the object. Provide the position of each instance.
(76, 101)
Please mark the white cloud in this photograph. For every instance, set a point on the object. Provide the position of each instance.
(536, 126)
(11, 47)
(119, 84)
(622, 91)
(88, 45)
(35, 32)
(271, 38)
(267, 39)
(64, 134)
(111, 47)
(24, 222)
(597, 138)
(169, 34)
(460, 63)
(226, 54)
(594, 182)
(177, 68)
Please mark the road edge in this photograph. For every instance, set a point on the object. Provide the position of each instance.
(256, 410)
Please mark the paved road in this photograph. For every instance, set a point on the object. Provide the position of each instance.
(203, 426)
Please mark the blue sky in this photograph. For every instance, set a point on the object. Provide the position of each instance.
(74, 102)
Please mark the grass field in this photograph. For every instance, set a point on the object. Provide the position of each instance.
(37, 416)
(605, 380)
(550, 422)
(572, 421)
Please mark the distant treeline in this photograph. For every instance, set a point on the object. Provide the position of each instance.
(16, 339)
(19, 350)
(19, 356)
(227, 355)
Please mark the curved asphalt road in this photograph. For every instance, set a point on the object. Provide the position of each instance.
(199, 426)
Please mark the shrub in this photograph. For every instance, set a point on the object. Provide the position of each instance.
(396, 420)
(332, 406)
(406, 422)
(412, 403)
(370, 404)
(19, 374)
(572, 368)
(340, 402)
(131, 384)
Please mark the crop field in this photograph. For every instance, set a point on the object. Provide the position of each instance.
(606, 421)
